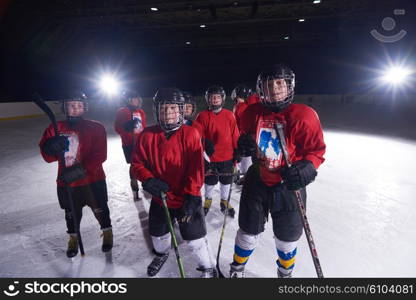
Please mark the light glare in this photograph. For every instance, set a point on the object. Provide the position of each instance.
(396, 75)
(109, 85)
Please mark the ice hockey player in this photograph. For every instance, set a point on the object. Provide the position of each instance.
(269, 185)
(168, 158)
(190, 112)
(130, 121)
(190, 108)
(239, 96)
(84, 143)
(218, 125)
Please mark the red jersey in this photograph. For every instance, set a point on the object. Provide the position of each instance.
(239, 108)
(125, 114)
(177, 161)
(253, 99)
(303, 133)
(221, 129)
(87, 146)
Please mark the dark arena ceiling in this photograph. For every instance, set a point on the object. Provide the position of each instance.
(213, 38)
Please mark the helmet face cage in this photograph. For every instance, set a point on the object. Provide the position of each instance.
(212, 91)
(168, 127)
(129, 95)
(264, 92)
(79, 96)
(192, 115)
(189, 99)
(139, 105)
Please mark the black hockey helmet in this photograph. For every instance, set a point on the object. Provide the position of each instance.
(74, 95)
(240, 91)
(279, 71)
(169, 96)
(215, 89)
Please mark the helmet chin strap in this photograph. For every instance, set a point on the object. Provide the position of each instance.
(169, 133)
(216, 108)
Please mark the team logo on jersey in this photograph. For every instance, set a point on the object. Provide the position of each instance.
(139, 124)
(72, 153)
(269, 150)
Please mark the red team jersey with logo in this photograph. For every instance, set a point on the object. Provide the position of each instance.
(221, 129)
(303, 132)
(123, 115)
(177, 161)
(87, 146)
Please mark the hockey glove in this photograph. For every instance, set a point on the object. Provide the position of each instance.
(56, 145)
(130, 125)
(73, 173)
(236, 156)
(209, 147)
(191, 205)
(299, 175)
(246, 145)
(155, 187)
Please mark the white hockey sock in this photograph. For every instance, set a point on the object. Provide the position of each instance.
(209, 190)
(225, 190)
(244, 245)
(161, 243)
(202, 251)
(245, 164)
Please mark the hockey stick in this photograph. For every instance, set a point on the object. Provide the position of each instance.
(224, 174)
(45, 108)
(136, 196)
(172, 233)
(302, 211)
(220, 274)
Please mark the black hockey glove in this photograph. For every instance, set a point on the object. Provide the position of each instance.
(191, 205)
(299, 175)
(56, 145)
(209, 147)
(73, 173)
(236, 156)
(246, 145)
(130, 125)
(155, 187)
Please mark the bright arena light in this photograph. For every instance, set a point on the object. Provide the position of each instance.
(396, 75)
(109, 85)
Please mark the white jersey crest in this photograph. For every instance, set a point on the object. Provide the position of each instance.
(139, 126)
(269, 151)
(73, 149)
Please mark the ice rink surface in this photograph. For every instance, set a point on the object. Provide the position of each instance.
(361, 208)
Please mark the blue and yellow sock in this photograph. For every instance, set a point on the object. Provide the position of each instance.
(241, 255)
(286, 261)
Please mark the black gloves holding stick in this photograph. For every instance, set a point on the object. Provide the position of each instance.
(155, 187)
(299, 175)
